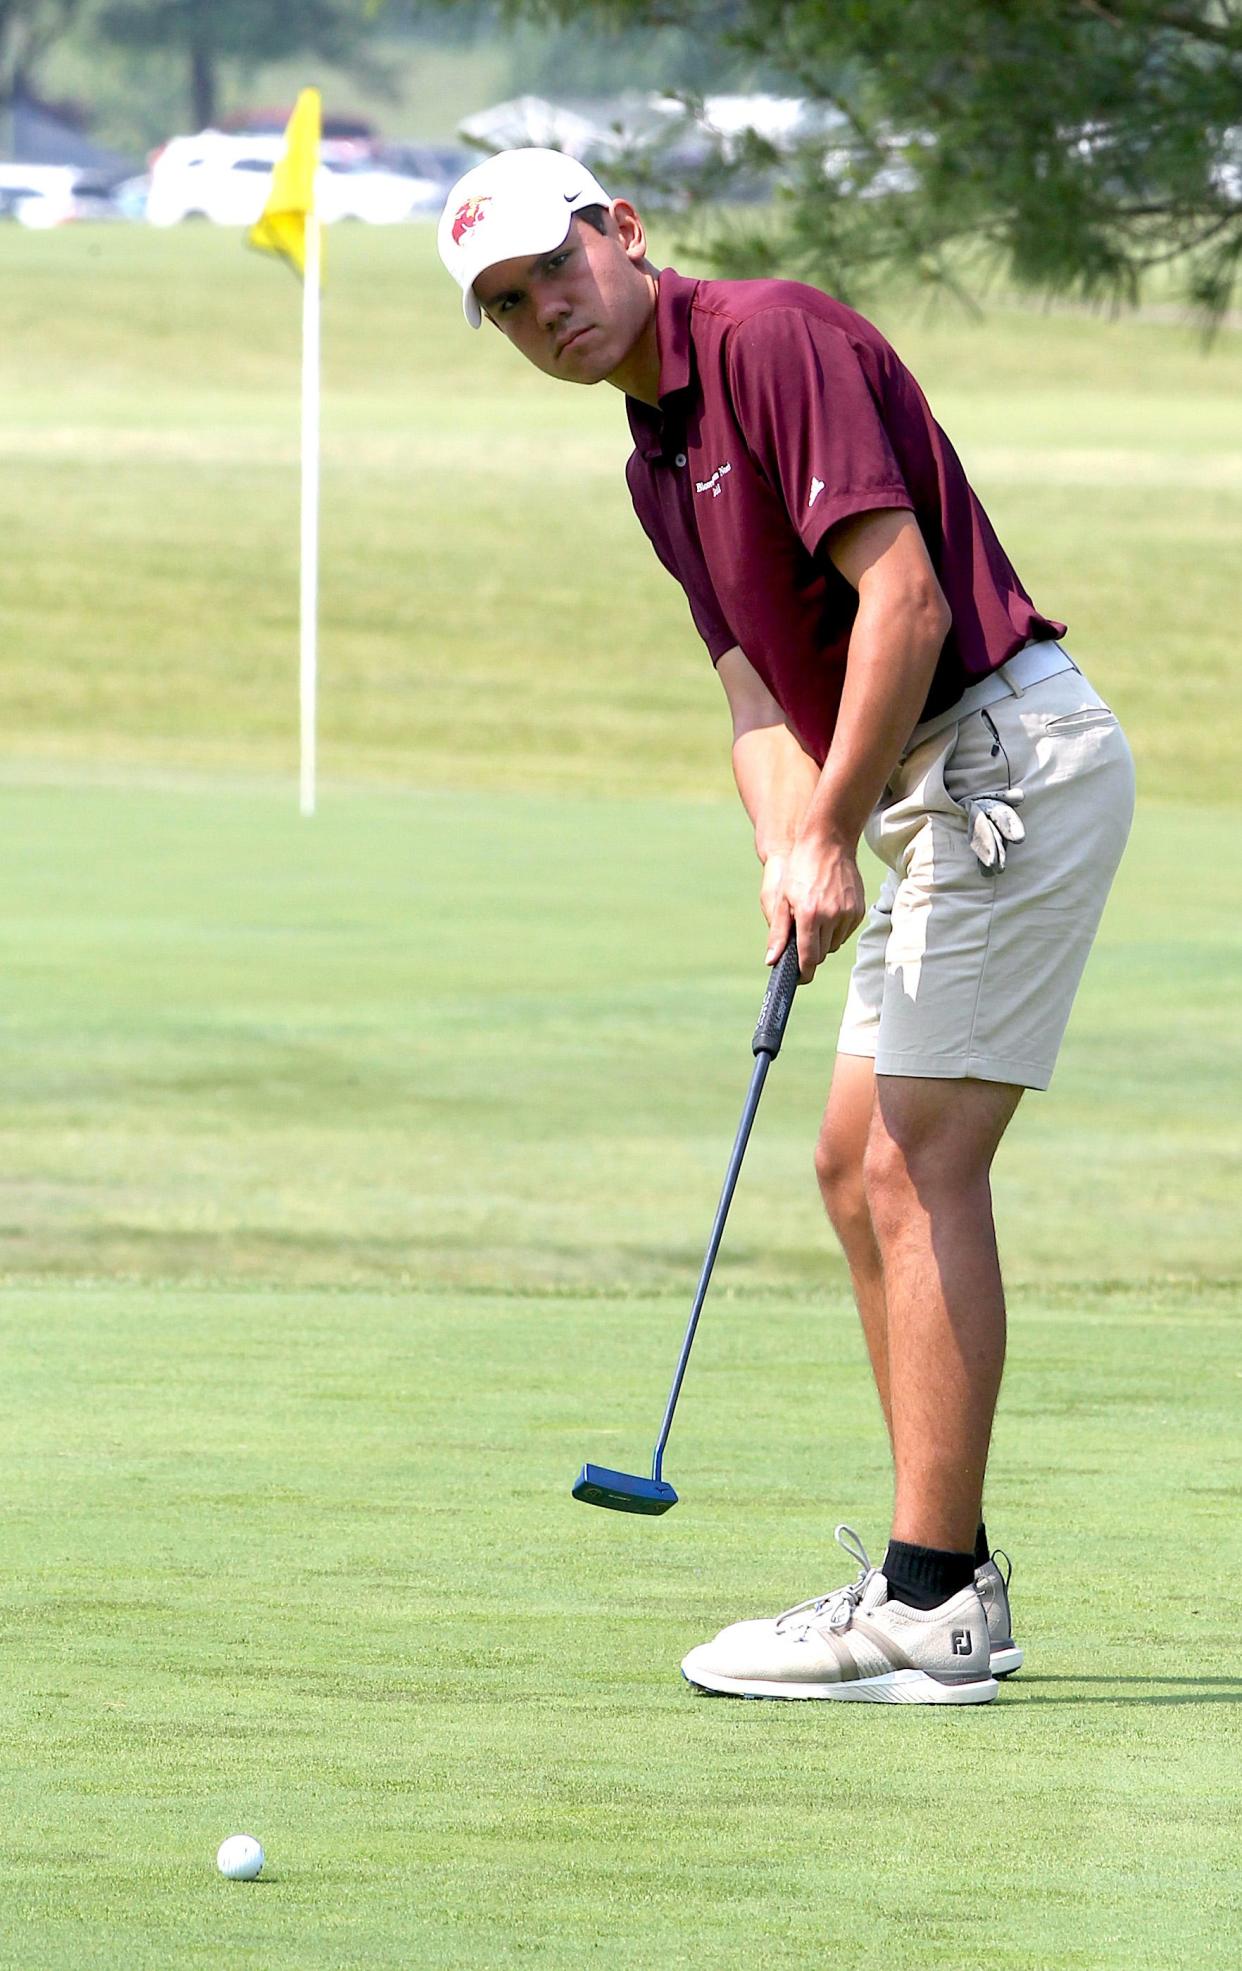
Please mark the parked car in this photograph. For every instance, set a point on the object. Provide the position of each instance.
(439, 165)
(44, 195)
(226, 179)
(356, 188)
(130, 196)
(356, 131)
(19, 182)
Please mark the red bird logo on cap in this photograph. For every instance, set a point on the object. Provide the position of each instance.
(468, 216)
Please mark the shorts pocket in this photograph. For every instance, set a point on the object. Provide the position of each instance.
(1079, 721)
(977, 765)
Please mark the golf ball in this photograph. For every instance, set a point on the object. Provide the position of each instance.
(240, 1858)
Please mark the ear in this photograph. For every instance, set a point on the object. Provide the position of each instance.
(630, 231)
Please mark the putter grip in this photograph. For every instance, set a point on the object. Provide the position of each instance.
(777, 1001)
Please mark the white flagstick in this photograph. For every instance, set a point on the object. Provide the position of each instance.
(307, 673)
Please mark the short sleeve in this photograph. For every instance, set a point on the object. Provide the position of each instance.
(683, 558)
(809, 410)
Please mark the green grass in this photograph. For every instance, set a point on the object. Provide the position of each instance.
(357, 1174)
(360, 1176)
(444, 1040)
(307, 1565)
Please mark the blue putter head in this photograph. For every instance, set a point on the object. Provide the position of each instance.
(620, 1491)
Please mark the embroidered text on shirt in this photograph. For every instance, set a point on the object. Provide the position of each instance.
(713, 485)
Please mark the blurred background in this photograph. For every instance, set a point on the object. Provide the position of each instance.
(1075, 147)
(1042, 206)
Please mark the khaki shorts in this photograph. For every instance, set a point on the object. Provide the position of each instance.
(965, 972)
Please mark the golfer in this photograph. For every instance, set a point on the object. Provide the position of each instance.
(889, 677)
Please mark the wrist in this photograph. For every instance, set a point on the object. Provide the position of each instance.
(773, 847)
(825, 831)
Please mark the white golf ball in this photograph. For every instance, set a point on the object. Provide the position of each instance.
(240, 1858)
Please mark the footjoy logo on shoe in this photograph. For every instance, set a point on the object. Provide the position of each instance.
(962, 1644)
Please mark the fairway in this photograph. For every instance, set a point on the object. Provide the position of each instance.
(357, 1174)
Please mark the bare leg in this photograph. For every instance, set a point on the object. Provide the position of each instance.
(926, 1184)
(839, 1157)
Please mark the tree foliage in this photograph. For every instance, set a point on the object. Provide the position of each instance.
(211, 32)
(28, 28)
(1075, 143)
(576, 56)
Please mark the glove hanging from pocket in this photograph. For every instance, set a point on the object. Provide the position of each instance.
(990, 823)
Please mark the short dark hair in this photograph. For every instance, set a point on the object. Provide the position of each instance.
(595, 216)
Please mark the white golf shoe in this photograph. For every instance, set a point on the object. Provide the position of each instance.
(856, 1645)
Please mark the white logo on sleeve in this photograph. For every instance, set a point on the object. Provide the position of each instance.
(817, 487)
(713, 485)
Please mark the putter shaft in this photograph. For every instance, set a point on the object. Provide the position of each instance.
(762, 1063)
(597, 1485)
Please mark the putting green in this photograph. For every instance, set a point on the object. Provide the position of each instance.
(361, 1171)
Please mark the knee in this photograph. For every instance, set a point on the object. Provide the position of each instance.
(883, 1172)
(839, 1174)
(916, 1172)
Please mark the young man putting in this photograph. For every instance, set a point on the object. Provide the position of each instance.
(887, 675)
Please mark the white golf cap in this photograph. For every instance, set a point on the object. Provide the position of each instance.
(516, 202)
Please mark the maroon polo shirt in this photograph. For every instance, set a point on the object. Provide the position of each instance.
(781, 413)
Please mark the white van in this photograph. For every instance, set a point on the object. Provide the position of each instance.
(226, 179)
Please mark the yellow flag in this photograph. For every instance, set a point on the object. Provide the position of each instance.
(282, 226)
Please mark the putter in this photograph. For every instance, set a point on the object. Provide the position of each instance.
(623, 1491)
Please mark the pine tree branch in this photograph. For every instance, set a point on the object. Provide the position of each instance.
(1197, 27)
(1184, 247)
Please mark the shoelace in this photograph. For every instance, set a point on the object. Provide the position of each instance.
(841, 1602)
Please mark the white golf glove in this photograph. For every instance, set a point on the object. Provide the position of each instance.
(992, 823)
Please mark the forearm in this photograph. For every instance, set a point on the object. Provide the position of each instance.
(892, 658)
(899, 630)
(776, 781)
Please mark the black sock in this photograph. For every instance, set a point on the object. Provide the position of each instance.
(923, 1577)
(982, 1551)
